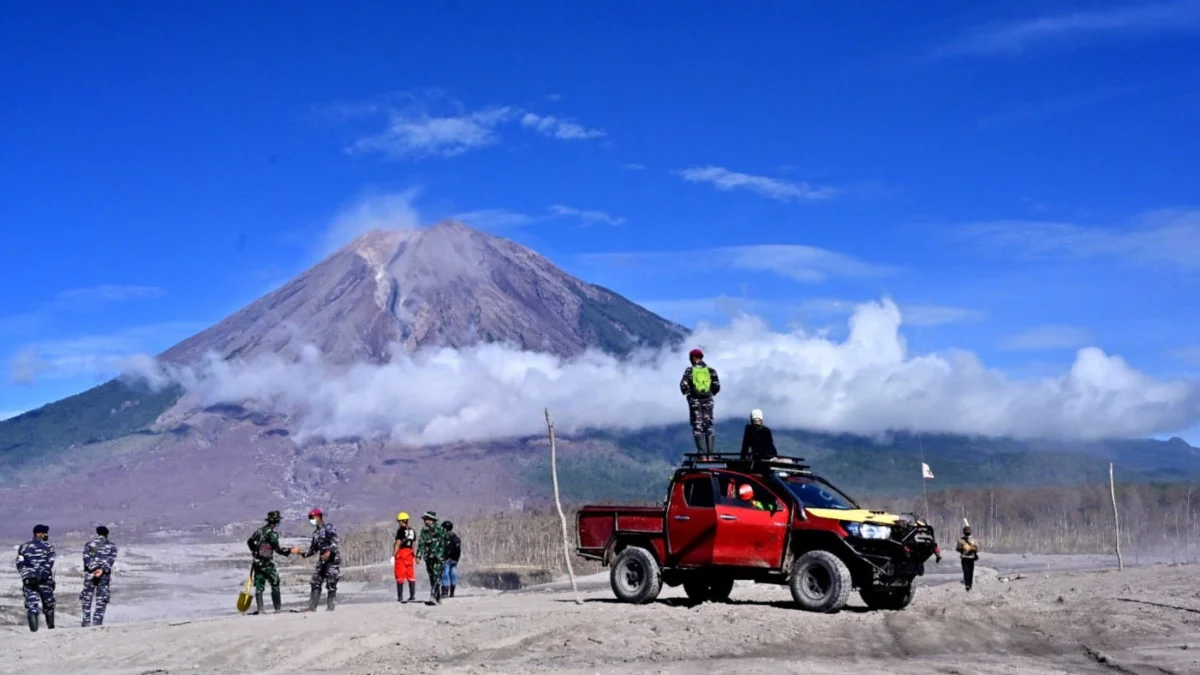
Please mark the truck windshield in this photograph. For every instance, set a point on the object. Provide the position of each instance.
(818, 494)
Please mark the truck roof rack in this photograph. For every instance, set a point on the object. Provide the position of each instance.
(696, 460)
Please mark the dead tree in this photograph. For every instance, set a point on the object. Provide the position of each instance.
(1112, 489)
(557, 503)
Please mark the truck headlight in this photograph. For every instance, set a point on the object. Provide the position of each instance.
(868, 531)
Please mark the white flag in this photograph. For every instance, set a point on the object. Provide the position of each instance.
(926, 472)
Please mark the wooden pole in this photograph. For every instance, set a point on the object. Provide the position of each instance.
(557, 503)
(1112, 488)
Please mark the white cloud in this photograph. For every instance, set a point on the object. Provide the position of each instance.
(100, 355)
(493, 219)
(865, 384)
(1189, 355)
(554, 127)
(1131, 19)
(914, 315)
(724, 179)
(393, 211)
(77, 298)
(432, 124)
(585, 215)
(1047, 338)
(808, 264)
(1168, 237)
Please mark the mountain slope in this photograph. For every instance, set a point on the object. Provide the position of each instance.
(448, 285)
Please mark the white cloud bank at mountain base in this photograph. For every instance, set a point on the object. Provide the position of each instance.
(866, 384)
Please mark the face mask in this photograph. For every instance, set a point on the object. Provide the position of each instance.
(312, 521)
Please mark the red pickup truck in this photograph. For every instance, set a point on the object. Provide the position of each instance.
(771, 521)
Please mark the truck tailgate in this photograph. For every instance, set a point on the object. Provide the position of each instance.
(598, 524)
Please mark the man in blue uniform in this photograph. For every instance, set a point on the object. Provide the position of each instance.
(35, 563)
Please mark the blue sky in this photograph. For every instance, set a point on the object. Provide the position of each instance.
(1022, 178)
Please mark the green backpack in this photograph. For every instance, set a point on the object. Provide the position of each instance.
(701, 379)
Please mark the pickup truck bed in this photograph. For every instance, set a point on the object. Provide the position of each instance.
(598, 524)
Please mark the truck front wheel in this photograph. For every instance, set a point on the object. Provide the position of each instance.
(889, 598)
(820, 582)
(635, 576)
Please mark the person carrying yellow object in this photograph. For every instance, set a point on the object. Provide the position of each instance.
(405, 561)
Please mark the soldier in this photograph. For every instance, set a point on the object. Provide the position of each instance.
(99, 556)
(402, 553)
(700, 384)
(968, 550)
(757, 441)
(432, 548)
(329, 567)
(35, 563)
(450, 566)
(264, 544)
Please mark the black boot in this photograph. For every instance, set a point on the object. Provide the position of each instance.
(314, 599)
(709, 442)
(276, 599)
(258, 603)
(329, 602)
(437, 596)
(399, 591)
(33, 622)
(412, 591)
(452, 587)
(50, 619)
(699, 444)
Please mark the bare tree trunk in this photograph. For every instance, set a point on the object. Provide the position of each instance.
(1112, 488)
(557, 503)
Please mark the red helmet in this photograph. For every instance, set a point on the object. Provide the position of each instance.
(695, 354)
(745, 492)
(314, 513)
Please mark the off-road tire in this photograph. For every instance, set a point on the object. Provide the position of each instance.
(820, 582)
(635, 576)
(708, 588)
(888, 598)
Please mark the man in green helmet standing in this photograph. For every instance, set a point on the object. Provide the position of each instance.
(700, 384)
(264, 544)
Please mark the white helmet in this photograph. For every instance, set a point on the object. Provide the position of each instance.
(756, 414)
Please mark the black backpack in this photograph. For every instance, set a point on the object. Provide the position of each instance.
(453, 547)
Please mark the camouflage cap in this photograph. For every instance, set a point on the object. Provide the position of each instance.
(274, 517)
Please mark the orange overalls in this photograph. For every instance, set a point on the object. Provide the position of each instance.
(405, 560)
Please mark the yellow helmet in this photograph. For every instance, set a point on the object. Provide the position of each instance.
(403, 515)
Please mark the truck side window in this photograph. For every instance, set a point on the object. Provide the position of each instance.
(698, 492)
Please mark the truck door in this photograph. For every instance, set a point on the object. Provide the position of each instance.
(691, 521)
(747, 535)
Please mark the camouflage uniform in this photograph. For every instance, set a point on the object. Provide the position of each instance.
(35, 563)
(700, 406)
(431, 548)
(98, 554)
(264, 544)
(328, 571)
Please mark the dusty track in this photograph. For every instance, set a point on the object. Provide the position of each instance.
(1142, 620)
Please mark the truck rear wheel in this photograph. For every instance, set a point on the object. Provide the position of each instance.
(635, 576)
(708, 588)
(889, 598)
(820, 582)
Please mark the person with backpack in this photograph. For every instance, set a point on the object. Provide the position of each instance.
(968, 551)
(450, 564)
(404, 559)
(700, 384)
(431, 547)
(264, 544)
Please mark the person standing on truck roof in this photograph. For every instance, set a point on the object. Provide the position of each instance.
(968, 549)
(757, 442)
(700, 384)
